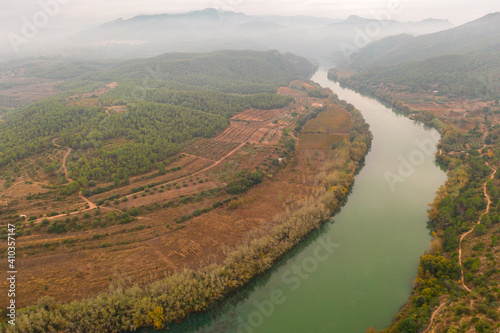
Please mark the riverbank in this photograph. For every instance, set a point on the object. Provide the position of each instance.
(368, 239)
(462, 207)
(173, 298)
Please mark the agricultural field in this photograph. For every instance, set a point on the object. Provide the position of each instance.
(181, 218)
(270, 134)
(239, 132)
(210, 149)
(335, 120)
(257, 115)
(17, 90)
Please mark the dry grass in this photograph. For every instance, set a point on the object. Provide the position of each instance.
(319, 141)
(239, 131)
(334, 120)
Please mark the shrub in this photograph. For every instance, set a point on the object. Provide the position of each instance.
(480, 230)
(133, 211)
(57, 227)
(244, 181)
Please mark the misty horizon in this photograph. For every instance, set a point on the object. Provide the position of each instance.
(60, 20)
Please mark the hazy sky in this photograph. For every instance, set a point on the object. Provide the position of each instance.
(75, 15)
(82, 12)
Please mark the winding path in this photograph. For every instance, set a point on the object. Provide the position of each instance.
(91, 205)
(487, 211)
(63, 167)
(465, 235)
(434, 315)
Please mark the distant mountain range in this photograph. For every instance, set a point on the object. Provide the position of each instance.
(479, 36)
(211, 29)
(463, 61)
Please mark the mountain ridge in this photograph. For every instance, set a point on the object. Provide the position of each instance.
(212, 29)
(480, 35)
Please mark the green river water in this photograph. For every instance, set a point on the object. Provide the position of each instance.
(358, 269)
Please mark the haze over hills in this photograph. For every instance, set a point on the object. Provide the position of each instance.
(211, 29)
(461, 61)
(479, 36)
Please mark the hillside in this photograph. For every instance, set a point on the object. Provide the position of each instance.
(212, 29)
(227, 71)
(462, 61)
(30, 130)
(479, 36)
(472, 76)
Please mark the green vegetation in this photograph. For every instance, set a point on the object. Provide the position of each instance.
(55, 69)
(160, 116)
(452, 75)
(222, 104)
(244, 72)
(243, 181)
(459, 62)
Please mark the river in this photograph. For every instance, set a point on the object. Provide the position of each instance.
(358, 269)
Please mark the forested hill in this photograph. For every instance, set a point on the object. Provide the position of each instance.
(464, 61)
(165, 101)
(479, 36)
(471, 76)
(243, 72)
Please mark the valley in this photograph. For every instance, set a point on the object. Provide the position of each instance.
(250, 168)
